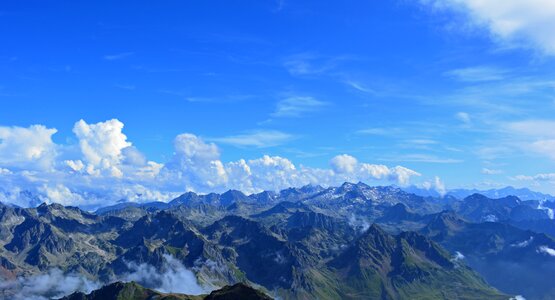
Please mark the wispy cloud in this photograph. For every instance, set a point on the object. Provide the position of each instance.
(231, 98)
(313, 64)
(258, 139)
(477, 74)
(118, 56)
(537, 177)
(426, 158)
(126, 86)
(534, 135)
(223, 99)
(422, 141)
(487, 171)
(297, 106)
(387, 131)
(463, 117)
(360, 87)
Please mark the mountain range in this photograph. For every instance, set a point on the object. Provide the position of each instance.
(353, 241)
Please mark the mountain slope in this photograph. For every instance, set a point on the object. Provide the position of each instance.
(406, 266)
(134, 291)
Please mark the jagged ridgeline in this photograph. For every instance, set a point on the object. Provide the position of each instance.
(347, 242)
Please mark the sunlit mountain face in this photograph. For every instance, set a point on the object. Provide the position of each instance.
(277, 149)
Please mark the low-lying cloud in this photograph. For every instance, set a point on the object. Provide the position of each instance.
(172, 277)
(547, 250)
(53, 284)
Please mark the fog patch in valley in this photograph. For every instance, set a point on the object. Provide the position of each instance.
(172, 277)
(53, 284)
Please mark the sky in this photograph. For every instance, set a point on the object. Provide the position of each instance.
(102, 101)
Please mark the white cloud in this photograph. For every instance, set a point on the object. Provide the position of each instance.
(61, 194)
(50, 285)
(537, 177)
(359, 87)
(310, 64)
(172, 278)
(30, 148)
(437, 185)
(344, 163)
(545, 147)
(103, 167)
(381, 131)
(259, 139)
(547, 250)
(534, 128)
(297, 106)
(427, 158)
(101, 145)
(347, 168)
(523, 243)
(526, 23)
(458, 256)
(196, 164)
(463, 117)
(477, 74)
(534, 135)
(487, 171)
(118, 56)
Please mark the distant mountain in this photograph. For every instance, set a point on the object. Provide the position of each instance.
(134, 291)
(479, 208)
(521, 193)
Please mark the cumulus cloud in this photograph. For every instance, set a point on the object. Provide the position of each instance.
(196, 163)
(27, 148)
(348, 168)
(102, 144)
(344, 163)
(525, 23)
(104, 167)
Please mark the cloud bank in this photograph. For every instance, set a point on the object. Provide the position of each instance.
(103, 167)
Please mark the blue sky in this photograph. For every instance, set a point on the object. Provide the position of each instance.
(458, 89)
